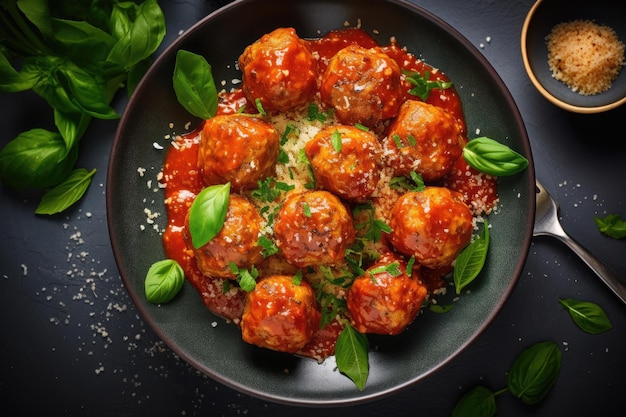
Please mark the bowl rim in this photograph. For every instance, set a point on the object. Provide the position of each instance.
(531, 74)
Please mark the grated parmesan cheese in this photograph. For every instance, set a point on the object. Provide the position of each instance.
(586, 56)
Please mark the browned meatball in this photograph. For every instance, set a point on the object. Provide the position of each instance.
(280, 70)
(238, 149)
(362, 85)
(312, 228)
(279, 314)
(384, 303)
(345, 161)
(236, 242)
(433, 225)
(423, 138)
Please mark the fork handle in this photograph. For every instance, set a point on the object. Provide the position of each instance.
(616, 283)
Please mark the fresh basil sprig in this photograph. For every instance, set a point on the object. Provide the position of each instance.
(164, 281)
(208, 213)
(588, 316)
(471, 260)
(493, 158)
(194, 85)
(534, 372)
(530, 378)
(351, 354)
(75, 56)
(67, 193)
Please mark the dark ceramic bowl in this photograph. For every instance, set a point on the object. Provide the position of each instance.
(541, 18)
(214, 346)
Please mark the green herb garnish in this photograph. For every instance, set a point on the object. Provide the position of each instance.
(351, 355)
(392, 269)
(307, 209)
(531, 377)
(413, 182)
(66, 193)
(335, 140)
(493, 158)
(477, 402)
(588, 316)
(245, 278)
(374, 228)
(314, 113)
(612, 225)
(269, 247)
(423, 85)
(164, 281)
(269, 189)
(470, 261)
(194, 85)
(534, 372)
(208, 213)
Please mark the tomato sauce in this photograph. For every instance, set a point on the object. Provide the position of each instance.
(183, 182)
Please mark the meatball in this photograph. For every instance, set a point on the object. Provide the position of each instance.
(280, 315)
(362, 85)
(236, 242)
(312, 228)
(238, 149)
(345, 161)
(423, 138)
(279, 70)
(383, 302)
(433, 225)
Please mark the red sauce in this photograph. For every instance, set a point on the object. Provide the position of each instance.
(184, 182)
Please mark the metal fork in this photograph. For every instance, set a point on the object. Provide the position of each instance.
(547, 224)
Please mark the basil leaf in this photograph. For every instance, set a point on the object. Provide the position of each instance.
(12, 81)
(164, 281)
(44, 70)
(493, 158)
(36, 158)
(351, 355)
(588, 316)
(136, 73)
(612, 225)
(66, 193)
(208, 213)
(85, 91)
(38, 13)
(478, 402)
(84, 44)
(534, 372)
(139, 30)
(471, 260)
(194, 85)
(71, 126)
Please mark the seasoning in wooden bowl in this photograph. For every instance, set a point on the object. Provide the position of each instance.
(585, 55)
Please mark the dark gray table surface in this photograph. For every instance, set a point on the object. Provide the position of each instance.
(73, 343)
